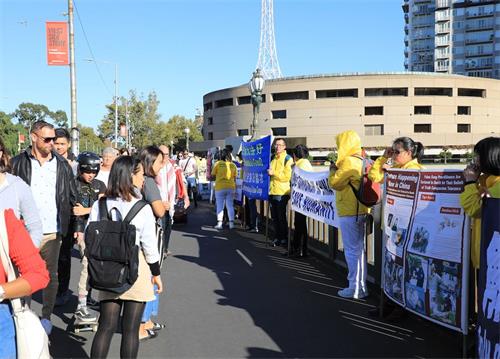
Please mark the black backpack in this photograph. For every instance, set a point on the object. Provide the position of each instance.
(113, 256)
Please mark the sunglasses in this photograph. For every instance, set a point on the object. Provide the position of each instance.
(47, 139)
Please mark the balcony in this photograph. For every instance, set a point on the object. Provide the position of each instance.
(442, 68)
(471, 14)
(479, 40)
(442, 28)
(440, 4)
(477, 27)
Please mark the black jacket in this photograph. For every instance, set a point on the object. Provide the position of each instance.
(87, 194)
(65, 185)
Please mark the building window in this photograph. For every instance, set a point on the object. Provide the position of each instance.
(374, 130)
(463, 127)
(243, 132)
(224, 102)
(374, 110)
(243, 100)
(472, 92)
(422, 128)
(279, 131)
(278, 114)
(433, 91)
(422, 110)
(337, 93)
(210, 120)
(463, 110)
(386, 91)
(288, 96)
(210, 135)
(207, 106)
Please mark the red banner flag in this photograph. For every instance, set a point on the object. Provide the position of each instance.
(21, 138)
(57, 43)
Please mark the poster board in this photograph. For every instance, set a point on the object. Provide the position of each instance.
(426, 251)
(256, 160)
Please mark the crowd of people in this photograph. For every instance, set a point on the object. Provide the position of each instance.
(56, 195)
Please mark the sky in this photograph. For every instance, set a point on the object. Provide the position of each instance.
(183, 49)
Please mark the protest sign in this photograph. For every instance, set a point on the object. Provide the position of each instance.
(256, 160)
(425, 264)
(312, 196)
(238, 193)
(488, 283)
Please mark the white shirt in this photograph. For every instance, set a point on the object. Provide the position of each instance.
(103, 176)
(188, 166)
(144, 223)
(43, 185)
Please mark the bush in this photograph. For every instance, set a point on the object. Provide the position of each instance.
(332, 157)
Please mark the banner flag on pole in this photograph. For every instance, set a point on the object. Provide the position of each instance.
(256, 160)
(57, 43)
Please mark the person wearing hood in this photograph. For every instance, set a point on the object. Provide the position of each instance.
(344, 172)
(16, 194)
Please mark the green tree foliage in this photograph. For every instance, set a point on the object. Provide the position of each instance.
(445, 154)
(59, 118)
(9, 133)
(89, 141)
(27, 113)
(332, 157)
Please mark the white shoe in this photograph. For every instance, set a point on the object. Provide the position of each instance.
(218, 226)
(351, 293)
(231, 224)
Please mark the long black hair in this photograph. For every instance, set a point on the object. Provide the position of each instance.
(488, 150)
(148, 156)
(120, 184)
(225, 155)
(416, 148)
(301, 151)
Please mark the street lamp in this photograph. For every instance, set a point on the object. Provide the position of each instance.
(187, 130)
(171, 148)
(116, 95)
(256, 85)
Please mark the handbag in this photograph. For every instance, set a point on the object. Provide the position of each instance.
(31, 339)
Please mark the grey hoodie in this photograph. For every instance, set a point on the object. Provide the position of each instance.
(16, 194)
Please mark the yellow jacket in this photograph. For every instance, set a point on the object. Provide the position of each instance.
(225, 175)
(348, 171)
(304, 164)
(280, 180)
(470, 199)
(376, 173)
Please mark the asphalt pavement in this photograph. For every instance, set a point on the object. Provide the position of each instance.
(228, 295)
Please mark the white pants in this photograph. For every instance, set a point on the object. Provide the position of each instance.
(353, 237)
(224, 196)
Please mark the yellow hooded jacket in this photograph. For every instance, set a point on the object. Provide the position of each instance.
(304, 164)
(377, 173)
(225, 175)
(280, 180)
(471, 199)
(348, 171)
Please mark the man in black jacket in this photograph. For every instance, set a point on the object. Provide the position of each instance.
(51, 179)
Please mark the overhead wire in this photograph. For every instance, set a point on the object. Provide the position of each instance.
(90, 50)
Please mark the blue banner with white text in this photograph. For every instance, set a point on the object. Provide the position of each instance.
(256, 160)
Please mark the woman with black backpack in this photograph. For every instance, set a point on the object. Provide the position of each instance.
(125, 179)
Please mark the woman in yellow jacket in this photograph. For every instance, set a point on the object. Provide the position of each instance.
(346, 171)
(482, 179)
(299, 243)
(224, 172)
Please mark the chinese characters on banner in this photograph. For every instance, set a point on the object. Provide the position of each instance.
(57, 43)
(426, 252)
(313, 197)
(256, 159)
(488, 283)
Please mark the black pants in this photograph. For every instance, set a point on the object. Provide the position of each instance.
(300, 236)
(251, 213)
(64, 264)
(167, 229)
(278, 212)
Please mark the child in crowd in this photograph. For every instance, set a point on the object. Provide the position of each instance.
(89, 190)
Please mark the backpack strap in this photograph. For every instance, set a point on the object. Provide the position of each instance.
(136, 208)
(103, 210)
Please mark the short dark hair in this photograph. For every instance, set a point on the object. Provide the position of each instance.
(120, 183)
(229, 148)
(488, 150)
(225, 155)
(301, 151)
(148, 156)
(5, 158)
(279, 139)
(62, 132)
(416, 148)
(38, 125)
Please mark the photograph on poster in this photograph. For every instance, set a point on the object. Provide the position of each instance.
(420, 240)
(393, 278)
(416, 271)
(444, 290)
(415, 298)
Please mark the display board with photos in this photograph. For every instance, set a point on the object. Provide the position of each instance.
(426, 252)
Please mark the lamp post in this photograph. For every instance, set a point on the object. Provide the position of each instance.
(256, 85)
(115, 97)
(187, 130)
(171, 148)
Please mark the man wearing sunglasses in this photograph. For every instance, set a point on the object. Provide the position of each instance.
(51, 179)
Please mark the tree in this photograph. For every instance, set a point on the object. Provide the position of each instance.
(89, 141)
(27, 113)
(177, 124)
(60, 118)
(9, 133)
(332, 157)
(445, 154)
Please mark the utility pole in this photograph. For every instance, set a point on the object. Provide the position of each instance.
(75, 133)
(116, 105)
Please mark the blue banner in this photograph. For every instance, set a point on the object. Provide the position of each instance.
(256, 160)
(488, 284)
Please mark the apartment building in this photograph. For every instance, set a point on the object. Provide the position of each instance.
(453, 36)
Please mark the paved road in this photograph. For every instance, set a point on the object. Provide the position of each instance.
(228, 296)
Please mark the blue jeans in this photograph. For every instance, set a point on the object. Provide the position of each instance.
(151, 308)
(7, 333)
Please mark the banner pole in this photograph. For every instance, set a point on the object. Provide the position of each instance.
(267, 223)
(290, 212)
(244, 221)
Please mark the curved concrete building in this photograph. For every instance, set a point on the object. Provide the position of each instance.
(440, 110)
